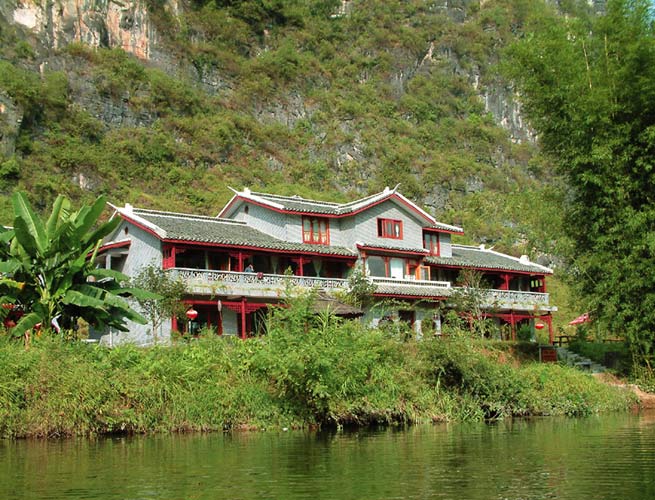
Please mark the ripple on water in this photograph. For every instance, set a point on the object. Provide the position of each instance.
(601, 458)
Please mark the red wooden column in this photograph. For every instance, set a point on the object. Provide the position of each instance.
(299, 261)
(243, 318)
(512, 323)
(240, 256)
(505, 284)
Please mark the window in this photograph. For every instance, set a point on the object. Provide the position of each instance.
(315, 230)
(431, 243)
(376, 266)
(389, 228)
(387, 267)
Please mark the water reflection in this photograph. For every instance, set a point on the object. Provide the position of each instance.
(609, 457)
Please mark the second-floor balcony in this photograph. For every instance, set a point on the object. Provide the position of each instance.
(262, 285)
(204, 282)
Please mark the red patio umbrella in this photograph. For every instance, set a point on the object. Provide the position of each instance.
(583, 318)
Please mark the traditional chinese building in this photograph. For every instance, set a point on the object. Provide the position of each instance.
(260, 246)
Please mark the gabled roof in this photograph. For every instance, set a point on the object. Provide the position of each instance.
(299, 205)
(171, 226)
(484, 258)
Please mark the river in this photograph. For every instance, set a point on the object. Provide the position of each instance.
(607, 457)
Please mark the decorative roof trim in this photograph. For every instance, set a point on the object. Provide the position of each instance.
(203, 218)
(114, 244)
(340, 209)
(416, 207)
(483, 268)
(523, 260)
(352, 255)
(127, 213)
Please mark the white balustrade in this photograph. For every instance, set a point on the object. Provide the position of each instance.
(409, 282)
(257, 282)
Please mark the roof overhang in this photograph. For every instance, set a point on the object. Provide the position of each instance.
(392, 251)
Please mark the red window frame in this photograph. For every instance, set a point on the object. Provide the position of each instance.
(390, 228)
(316, 230)
(432, 243)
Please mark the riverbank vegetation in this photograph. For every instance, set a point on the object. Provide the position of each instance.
(309, 370)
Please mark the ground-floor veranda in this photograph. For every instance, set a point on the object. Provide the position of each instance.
(246, 317)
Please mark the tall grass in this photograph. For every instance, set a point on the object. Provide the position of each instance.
(309, 370)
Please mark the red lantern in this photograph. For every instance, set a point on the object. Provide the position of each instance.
(539, 326)
(192, 314)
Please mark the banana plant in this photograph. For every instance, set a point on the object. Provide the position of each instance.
(47, 268)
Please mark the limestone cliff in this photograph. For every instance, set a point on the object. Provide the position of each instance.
(97, 23)
(324, 95)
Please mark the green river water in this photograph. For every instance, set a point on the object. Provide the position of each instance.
(608, 457)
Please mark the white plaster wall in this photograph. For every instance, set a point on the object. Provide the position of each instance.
(445, 245)
(145, 249)
(267, 221)
(364, 227)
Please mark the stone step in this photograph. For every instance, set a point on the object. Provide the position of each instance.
(577, 361)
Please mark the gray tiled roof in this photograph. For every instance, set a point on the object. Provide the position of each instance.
(195, 228)
(302, 205)
(466, 256)
(411, 290)
(447, 227)
(392, 248)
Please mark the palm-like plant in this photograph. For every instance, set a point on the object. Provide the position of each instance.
(48, 268)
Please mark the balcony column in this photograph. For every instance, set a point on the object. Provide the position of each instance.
(243, 318)
(299, 261)
(240, 262)
(505, 284)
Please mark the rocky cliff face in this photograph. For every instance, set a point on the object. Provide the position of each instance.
(97, 23)
(127, 24)
(377, 94)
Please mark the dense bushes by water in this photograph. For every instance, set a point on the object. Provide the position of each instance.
(308, 370)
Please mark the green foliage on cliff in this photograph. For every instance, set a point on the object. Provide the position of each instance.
(291, 97)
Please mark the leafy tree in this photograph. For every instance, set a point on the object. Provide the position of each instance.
(588, 85)
(170, 292)
(471, 301)
(360, 289)
(47, 268)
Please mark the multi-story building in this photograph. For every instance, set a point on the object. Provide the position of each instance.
(260, 246)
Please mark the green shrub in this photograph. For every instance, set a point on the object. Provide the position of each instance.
(309, 369)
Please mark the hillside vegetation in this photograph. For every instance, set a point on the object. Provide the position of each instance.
(316, 98)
